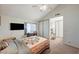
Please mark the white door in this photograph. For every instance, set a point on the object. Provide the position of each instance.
(46, 29)
(59, 28)
(41, 28)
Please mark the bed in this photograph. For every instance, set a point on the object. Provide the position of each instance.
(35, 44)
(7, 45)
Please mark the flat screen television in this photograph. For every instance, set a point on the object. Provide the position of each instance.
(16, 26)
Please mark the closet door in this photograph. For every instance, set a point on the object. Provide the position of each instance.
(57, 29)
(46, 29)
(61, 28)
(41, 28)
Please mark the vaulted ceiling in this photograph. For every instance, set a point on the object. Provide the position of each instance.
(25, 11)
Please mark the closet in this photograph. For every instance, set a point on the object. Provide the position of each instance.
(56, 26)
(44, 28)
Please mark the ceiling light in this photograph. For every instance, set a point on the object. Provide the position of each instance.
(43, 7)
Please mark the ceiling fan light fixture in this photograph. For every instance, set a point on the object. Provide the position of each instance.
(43, 8)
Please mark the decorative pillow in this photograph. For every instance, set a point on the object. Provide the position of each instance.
(3, 45)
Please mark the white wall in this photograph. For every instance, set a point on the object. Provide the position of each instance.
(71, 25)
(5, 26)
(70, 15)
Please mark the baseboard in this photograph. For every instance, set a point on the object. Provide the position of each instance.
(71, 44)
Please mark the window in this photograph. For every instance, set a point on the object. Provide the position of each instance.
(31, 28)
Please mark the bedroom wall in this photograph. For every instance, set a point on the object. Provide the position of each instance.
(70, 15)
(5, 26)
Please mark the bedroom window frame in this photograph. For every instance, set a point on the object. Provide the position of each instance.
(25, 26)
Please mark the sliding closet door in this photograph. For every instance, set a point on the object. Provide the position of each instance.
(41, 28)
(46, 29)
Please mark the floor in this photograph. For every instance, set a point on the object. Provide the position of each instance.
(58, 47)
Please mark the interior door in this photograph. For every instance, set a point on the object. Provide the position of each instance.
(41, 28)
(46, 29)
(59, 28)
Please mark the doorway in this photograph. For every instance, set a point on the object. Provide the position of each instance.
(59, 28)
(56, 27)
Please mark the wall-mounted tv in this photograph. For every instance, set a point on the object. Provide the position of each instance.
(16, 26)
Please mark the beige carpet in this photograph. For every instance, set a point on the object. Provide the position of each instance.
(58, 47)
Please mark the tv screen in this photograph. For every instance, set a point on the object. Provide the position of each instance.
(16, 26)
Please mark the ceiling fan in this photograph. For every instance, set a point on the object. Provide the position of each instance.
(43, 7)
(38, 5)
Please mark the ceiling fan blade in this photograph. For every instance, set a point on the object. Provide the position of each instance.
(37, 5)
(34, 6)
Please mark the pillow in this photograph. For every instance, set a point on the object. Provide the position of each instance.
(3, 45)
